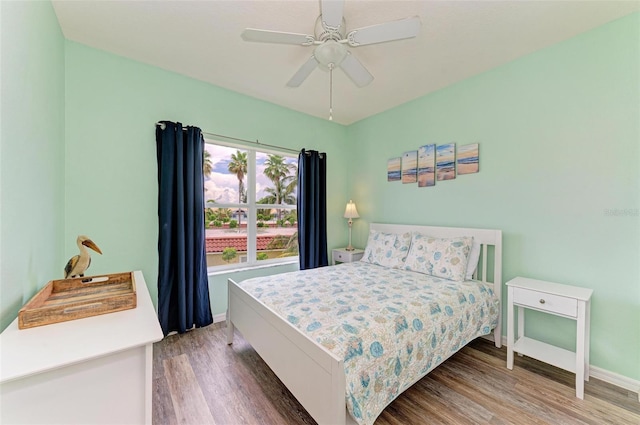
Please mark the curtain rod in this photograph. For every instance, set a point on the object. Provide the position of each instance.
(257, 142)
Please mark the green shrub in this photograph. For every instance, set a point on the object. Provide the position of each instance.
(262, 256)
(233, 224)
(229, 254)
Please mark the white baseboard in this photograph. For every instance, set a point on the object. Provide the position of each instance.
(615, 379)
(219, 317)
(606, 376)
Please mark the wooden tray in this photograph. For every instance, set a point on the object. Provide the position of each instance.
(70, 299)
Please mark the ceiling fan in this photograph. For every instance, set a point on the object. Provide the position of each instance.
(330, 40)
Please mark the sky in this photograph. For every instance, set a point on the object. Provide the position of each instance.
(222, 186)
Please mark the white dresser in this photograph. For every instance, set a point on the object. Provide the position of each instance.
(96, 370)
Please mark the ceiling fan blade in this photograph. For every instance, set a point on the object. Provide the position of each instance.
(303, 72)
(389, 31)
(266, 36)
(331, 11)
(356, 71)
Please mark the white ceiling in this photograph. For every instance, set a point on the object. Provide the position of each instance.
(201, 39)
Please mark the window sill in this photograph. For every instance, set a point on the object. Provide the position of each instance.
(235, 269)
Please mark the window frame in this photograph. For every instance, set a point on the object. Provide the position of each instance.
(251, 207)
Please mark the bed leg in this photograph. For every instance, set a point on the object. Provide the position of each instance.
(229, 330)
(497, 333)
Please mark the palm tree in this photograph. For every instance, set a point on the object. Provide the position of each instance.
(207, 165)
(292, 184)
(238, 166)
(292, 246)
(281, 193)
(277, 170)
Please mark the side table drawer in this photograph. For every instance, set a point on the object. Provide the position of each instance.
(340, 256)
(546, 302)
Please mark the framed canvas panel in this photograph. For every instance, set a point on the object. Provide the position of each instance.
(393, 169)
(468, 159)
(446, 161)
(410, 167)
(427, 166)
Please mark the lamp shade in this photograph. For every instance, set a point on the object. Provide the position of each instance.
(351, 211)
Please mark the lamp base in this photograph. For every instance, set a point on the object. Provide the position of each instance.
(350, 247)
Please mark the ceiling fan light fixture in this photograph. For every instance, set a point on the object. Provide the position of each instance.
(330, 52)
(331, 41)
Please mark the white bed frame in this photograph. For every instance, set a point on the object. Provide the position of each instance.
(314, 375)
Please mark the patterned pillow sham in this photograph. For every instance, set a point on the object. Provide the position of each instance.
(387, 249)
(474, 256)
(446, 258)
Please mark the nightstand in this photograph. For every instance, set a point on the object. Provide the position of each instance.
(567, 301)
(341, 255)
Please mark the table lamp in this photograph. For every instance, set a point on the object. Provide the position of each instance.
(350, 212)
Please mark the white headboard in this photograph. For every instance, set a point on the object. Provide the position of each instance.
(486, 237)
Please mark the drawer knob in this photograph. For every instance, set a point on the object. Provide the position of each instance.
(541, 300)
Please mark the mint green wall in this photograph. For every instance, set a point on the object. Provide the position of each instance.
(31, 152)
(559, 147)
(112, 104)
(559, 134)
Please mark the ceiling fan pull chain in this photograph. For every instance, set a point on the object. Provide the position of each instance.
(331, 92)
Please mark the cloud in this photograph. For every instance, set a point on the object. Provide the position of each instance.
(222, 186)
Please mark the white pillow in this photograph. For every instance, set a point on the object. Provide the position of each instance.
(387, 249)
(441, 257)
(474, 256)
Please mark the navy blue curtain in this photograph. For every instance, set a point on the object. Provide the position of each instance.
(312, 209)
(183, 288)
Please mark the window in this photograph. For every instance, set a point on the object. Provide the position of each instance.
(250, 206)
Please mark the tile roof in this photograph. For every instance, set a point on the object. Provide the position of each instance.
(239, 242)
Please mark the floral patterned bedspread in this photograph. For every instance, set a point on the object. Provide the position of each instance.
(390, 326)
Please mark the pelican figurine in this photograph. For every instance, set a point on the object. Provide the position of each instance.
(79, 263)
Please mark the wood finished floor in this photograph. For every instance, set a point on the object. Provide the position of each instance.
(199, 380)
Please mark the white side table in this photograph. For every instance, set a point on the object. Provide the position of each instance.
(341, 255)
(561, 300)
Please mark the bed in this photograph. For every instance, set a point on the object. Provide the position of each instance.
(346, 340)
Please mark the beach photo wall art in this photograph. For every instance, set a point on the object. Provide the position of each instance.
(446, 162)
(468, 159)
(410, 167)
(427, 165)
(431, 163)
(393, 169)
